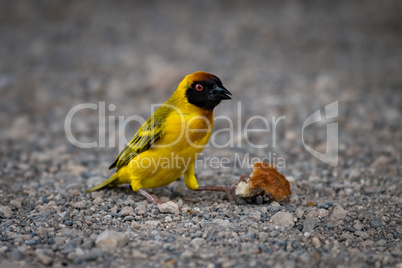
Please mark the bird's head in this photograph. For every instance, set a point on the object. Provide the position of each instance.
(204, 90)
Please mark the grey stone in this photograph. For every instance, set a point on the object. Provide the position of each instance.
(255, 214)
(169, 207)
(5, 211)
(338, 213)
(197, 242)
(17, 203)
(299, 212)
(283, 219)
(17, 255)
(259, 199)
(126, 211)
(309, 225)
(43, 257)
(80, 204)
(110, 240)
(376, 223)
(316, 242)
(362, 234)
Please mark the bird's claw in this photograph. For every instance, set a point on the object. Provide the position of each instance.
(229, 189)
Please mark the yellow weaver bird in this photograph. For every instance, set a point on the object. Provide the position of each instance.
(167, 145)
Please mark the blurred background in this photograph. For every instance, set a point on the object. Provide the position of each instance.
(282, 58)
(278, 58)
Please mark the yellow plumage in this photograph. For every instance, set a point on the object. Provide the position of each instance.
(167, 145)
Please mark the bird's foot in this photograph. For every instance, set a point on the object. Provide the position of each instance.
(227, 189)
(150, 197)
(154, 199)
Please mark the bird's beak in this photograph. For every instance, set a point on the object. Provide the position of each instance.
(220, 93)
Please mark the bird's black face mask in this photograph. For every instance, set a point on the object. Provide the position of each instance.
(207, 94)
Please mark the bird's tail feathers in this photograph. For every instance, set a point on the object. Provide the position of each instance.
(108, 183)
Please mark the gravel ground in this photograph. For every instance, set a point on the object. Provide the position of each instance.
(287, 58)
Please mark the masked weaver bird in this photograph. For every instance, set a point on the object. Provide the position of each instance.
(166, 146)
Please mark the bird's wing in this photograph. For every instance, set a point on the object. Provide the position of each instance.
(148, 134)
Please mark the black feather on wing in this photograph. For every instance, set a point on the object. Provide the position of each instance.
(143, 140)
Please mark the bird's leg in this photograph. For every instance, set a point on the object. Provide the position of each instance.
(150, 197)
(227, 189)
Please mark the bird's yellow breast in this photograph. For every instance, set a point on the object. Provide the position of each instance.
(184, 137)
(188, 132)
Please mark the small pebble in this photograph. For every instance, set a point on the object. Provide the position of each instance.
(110, 240)
(338, 213)
(169, 207)
(17, 255)
(283, 219)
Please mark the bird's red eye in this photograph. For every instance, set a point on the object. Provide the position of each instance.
(199, 87)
